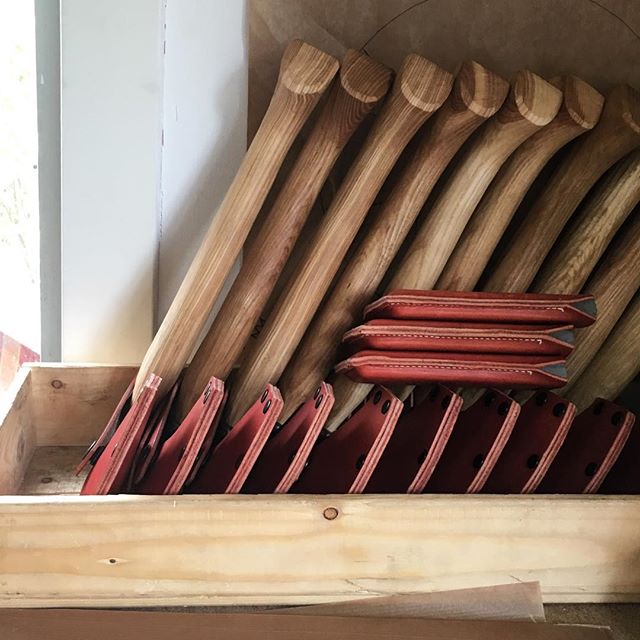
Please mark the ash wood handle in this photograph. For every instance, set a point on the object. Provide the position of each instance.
(477, 94)
(420, 88)
(362, 83)
(614, 283)
(589, 233)
(532, 103)
(616, 363)
(305, 73)
(580, 111)
(616, 134)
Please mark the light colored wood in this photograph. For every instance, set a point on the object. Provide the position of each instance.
(123, 551)
(70, 404)
(477, 94)
(305, 73)
(614, 366)
(532, 103)
(580, 247)
(361, 84)
(517, 601)
(17, 435)
(613, 284)
(419, 90)
(580, 111)
(617, 134)
(51, 471)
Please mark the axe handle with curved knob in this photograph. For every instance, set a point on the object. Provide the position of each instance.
(305, 73)
(589, 233)
(420, 88)
(614, 366)
(614, 283)
(532, 104)
(361, 84)
(616, 134)
(477, 94)
(580, 111)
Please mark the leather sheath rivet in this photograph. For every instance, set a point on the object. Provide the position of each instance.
(478, 461)
(377, 396)
(541, 399)
(503, 409)
(597, 410)
(330, 513)
(489, 399)
(317, 393)
(319, 401)
(590, 469)
(616, 418)
(57, 384)
(265, 393)
(385, 407)
(533, 461)
(559, 409)
(267, 406)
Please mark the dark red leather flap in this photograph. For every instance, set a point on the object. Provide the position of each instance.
(624, 477)
(231, 461)
(454, 369)
(113, 468)
(344, 461)
(286, 452)
(475, 444)
(417, 443)
(590, 449)
(480, 306)
(535, 440)
(178, 453)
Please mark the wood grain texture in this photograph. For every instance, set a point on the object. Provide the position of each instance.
(579, 113)
(614, 283)
(133, 625)
(17, 435)
(532, 103)
(477, 94)
(589, 233)
(122, 550)
(305, 73)
(419, 90)
(517, 601)
(70, 404)
(615, 364)
(362, 83)
(616, 134)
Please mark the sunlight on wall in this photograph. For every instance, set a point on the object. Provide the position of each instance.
(19, 239)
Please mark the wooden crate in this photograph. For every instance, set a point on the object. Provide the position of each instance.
(59, 549)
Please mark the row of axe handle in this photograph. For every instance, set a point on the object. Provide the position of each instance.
(500, 136)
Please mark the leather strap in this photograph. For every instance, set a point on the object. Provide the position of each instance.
(232, 460)
(287, 451)
(537, 436)
(475, 445)
(590, 449)
(344, 461)
(417, 443)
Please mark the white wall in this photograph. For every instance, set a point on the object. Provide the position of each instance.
(134, 72)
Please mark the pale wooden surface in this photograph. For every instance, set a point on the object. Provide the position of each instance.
(17, 434)
(532, 103)
(614, 283)
(51, 471)
(580, 111)
(587, 236)
(122, 551)
(362, 83)
(419, 90)
(305, 73)
(616, 134)
(477, 94)
(615, 364)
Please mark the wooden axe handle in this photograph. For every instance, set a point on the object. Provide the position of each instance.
(305, 72)
(580, 111)
(477, 94)
(420, 88)
(614, 283)
(615, 365)
(616, 134)
(591, 230)
(532, 103)
(362, 83)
